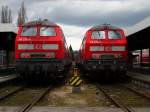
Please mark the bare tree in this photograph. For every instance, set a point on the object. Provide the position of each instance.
(22, 17)
(10, 17)
(2, 15)
(6, 16)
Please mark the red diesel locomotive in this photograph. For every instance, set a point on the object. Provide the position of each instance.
(41, 50)
(104, 48)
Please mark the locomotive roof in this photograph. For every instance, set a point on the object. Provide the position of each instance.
(104, 26)
(40, 22)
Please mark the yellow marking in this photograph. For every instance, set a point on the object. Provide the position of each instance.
(75, 80)
(79, 82)
(71, 79)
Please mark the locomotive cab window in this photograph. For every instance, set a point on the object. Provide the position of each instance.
(47, 31)
(114, 35)
(98, 35)
(29, 31)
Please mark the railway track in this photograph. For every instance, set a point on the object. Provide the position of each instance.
(12, 92)
(29, 105)
(125, 97)
(142, 94)
(116, 101)
(37, 95)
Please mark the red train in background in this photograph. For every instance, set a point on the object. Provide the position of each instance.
(41, 50)
(103, 50)
(139, 59)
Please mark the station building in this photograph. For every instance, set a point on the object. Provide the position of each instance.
(8, 34)
(138, 37)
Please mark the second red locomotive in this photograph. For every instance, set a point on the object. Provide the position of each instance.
(41, 50)
(104, 48)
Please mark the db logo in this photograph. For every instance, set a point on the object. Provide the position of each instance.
(108, 48)
(37, 46)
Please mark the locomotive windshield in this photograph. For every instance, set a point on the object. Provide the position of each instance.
(98, 35)
(29, 31)
(114, 35)
(47, 31)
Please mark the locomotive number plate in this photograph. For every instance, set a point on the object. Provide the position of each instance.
(37, 46)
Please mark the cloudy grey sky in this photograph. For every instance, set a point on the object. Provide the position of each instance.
(76, 16)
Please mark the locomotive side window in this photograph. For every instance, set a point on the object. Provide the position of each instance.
(98, 35)
(29, 31)
(114, 35)
(47, 31)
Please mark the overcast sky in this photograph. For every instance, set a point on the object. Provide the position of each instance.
(76, 16)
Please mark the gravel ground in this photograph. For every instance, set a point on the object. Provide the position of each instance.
(63, 96)
(70, 109)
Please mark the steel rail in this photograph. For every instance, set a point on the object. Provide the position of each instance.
(115, 101)
(10, 93)
(137, 92)
(27, 107)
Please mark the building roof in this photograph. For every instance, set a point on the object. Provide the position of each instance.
(7, 27)
(138, 27)
(137, 35)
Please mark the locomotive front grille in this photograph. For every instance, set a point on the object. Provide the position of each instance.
(107, 57)
(37, 55)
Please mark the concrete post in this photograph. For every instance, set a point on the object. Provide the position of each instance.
(7, 50)
(7, 58)
(141, 55)
(149, 56)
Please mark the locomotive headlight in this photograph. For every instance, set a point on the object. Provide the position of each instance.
(118, 48)
(25, 55)
(50, 55)
(96, 48)
(119, 56)
(96, 56)
(50, 46)
(25, 46)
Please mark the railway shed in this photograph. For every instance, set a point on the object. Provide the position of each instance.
(138, 37)
(7, 42)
